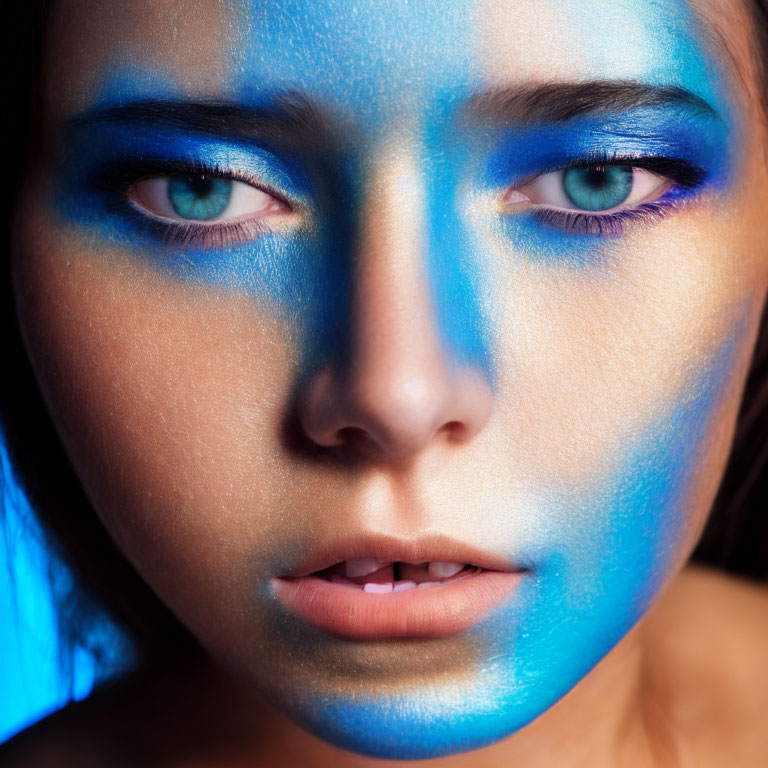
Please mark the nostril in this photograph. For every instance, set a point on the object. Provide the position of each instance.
(454, 430)
(394, 414)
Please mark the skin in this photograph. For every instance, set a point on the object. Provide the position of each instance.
(563, 399)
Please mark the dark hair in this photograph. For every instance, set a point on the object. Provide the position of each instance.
(736, 538)
(104, 582)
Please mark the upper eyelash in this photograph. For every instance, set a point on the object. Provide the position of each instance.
(682, 172)
(117, 178)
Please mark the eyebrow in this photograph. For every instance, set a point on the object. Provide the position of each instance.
(287, 118)
(292, 118)
(561, 102)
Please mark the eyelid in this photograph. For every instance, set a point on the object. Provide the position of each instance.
(684, 182)
(683, 172)
(115, 180)
(151, 195)
(534, 193)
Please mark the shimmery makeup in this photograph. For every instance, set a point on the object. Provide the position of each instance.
(640, 135)
(394, 83)
(590, 582)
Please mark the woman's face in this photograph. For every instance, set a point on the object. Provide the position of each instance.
(308, 282)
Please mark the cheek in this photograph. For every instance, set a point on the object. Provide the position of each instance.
(169, 399)
(618, 386)
(590, 358)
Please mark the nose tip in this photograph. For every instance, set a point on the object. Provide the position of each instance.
(397, 416)
(400, 385)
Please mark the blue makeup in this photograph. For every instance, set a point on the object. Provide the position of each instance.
(406, 74)
(105, 156)
(686, 147)
(593, 576)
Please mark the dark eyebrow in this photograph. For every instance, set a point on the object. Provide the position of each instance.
(292, 119)
(285, 118)
(560, 102)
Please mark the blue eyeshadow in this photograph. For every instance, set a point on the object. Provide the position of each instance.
(409, 64)
(271, 261)
(699, 140)
(662, 132)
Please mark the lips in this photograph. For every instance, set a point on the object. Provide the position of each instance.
(434, 588)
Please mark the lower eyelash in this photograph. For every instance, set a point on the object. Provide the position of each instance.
(115, 180)
(609, 225)
(686, 178)
(192, 234)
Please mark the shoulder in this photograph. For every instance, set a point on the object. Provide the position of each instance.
(708, 658)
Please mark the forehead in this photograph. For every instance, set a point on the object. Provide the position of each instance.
(379, 58)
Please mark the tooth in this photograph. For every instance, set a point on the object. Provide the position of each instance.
(401, 586)
(363, 566)
(378, 589)
(440, 570)
(427, 584)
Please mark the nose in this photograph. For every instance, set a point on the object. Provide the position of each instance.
(399, 387)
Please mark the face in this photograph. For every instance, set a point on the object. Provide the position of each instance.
(312, 282)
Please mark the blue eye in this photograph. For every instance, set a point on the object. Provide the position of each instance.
(186, 198)
(603, 196)
(201, 198)
(598, 187)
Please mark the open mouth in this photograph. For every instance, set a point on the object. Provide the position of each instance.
(367, 598)
(383, 577)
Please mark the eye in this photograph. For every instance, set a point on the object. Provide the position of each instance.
(203, 198)
(597, 189)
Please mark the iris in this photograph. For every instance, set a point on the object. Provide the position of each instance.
(199, 197)
(598, 187)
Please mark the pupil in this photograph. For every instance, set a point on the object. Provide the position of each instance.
(596, 177)
(199, 186)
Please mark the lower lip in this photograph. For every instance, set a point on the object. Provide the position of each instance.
(438, 611)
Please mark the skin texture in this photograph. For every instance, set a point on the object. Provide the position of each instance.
(402, 354)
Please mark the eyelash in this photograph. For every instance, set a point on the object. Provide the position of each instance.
(216, 235)
(686, 178)
(609, 225)
(117, 179)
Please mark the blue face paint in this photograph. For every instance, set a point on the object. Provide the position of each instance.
(691, 145)
(381, 70)
(104, 155)
(597, 560)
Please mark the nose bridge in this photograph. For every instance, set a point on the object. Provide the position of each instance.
(418, 283)
(394, 321)
(398, 383)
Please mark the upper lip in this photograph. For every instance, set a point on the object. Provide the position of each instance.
(414, 549)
